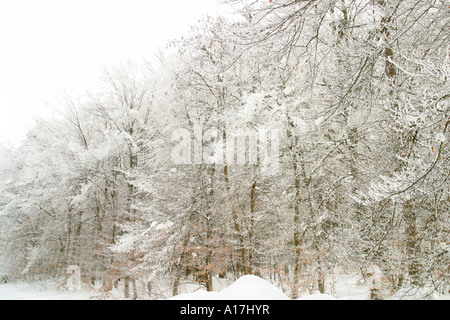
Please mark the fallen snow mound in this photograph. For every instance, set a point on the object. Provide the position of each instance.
(245, 288)
(318, 297)
(253, 288)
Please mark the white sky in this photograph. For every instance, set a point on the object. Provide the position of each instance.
(46, 45)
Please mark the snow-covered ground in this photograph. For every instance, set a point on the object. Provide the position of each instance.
(255, 288)
(40, 291)
(245, 288)
(346, 287)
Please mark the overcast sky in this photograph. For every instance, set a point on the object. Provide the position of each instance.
(46, 45)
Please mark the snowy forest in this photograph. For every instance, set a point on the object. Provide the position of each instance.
(135, 183)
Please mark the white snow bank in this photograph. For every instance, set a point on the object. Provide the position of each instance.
(198, 295)
(318, 297)
(253, 288)
(359, 298)
(24, 291)
(245, 288)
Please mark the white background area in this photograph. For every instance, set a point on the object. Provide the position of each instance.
(51, 45)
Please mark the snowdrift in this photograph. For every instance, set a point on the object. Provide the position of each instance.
(318, 297)
(245, 288)
(40, 291)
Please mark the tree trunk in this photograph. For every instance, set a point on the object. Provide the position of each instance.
(149, 289)
(237, 226)
(298, 234)
(179, 267)
(321, 283)
(412, 244)
(252, 226)
(209, 235)
(135, 293)
(127, 287)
